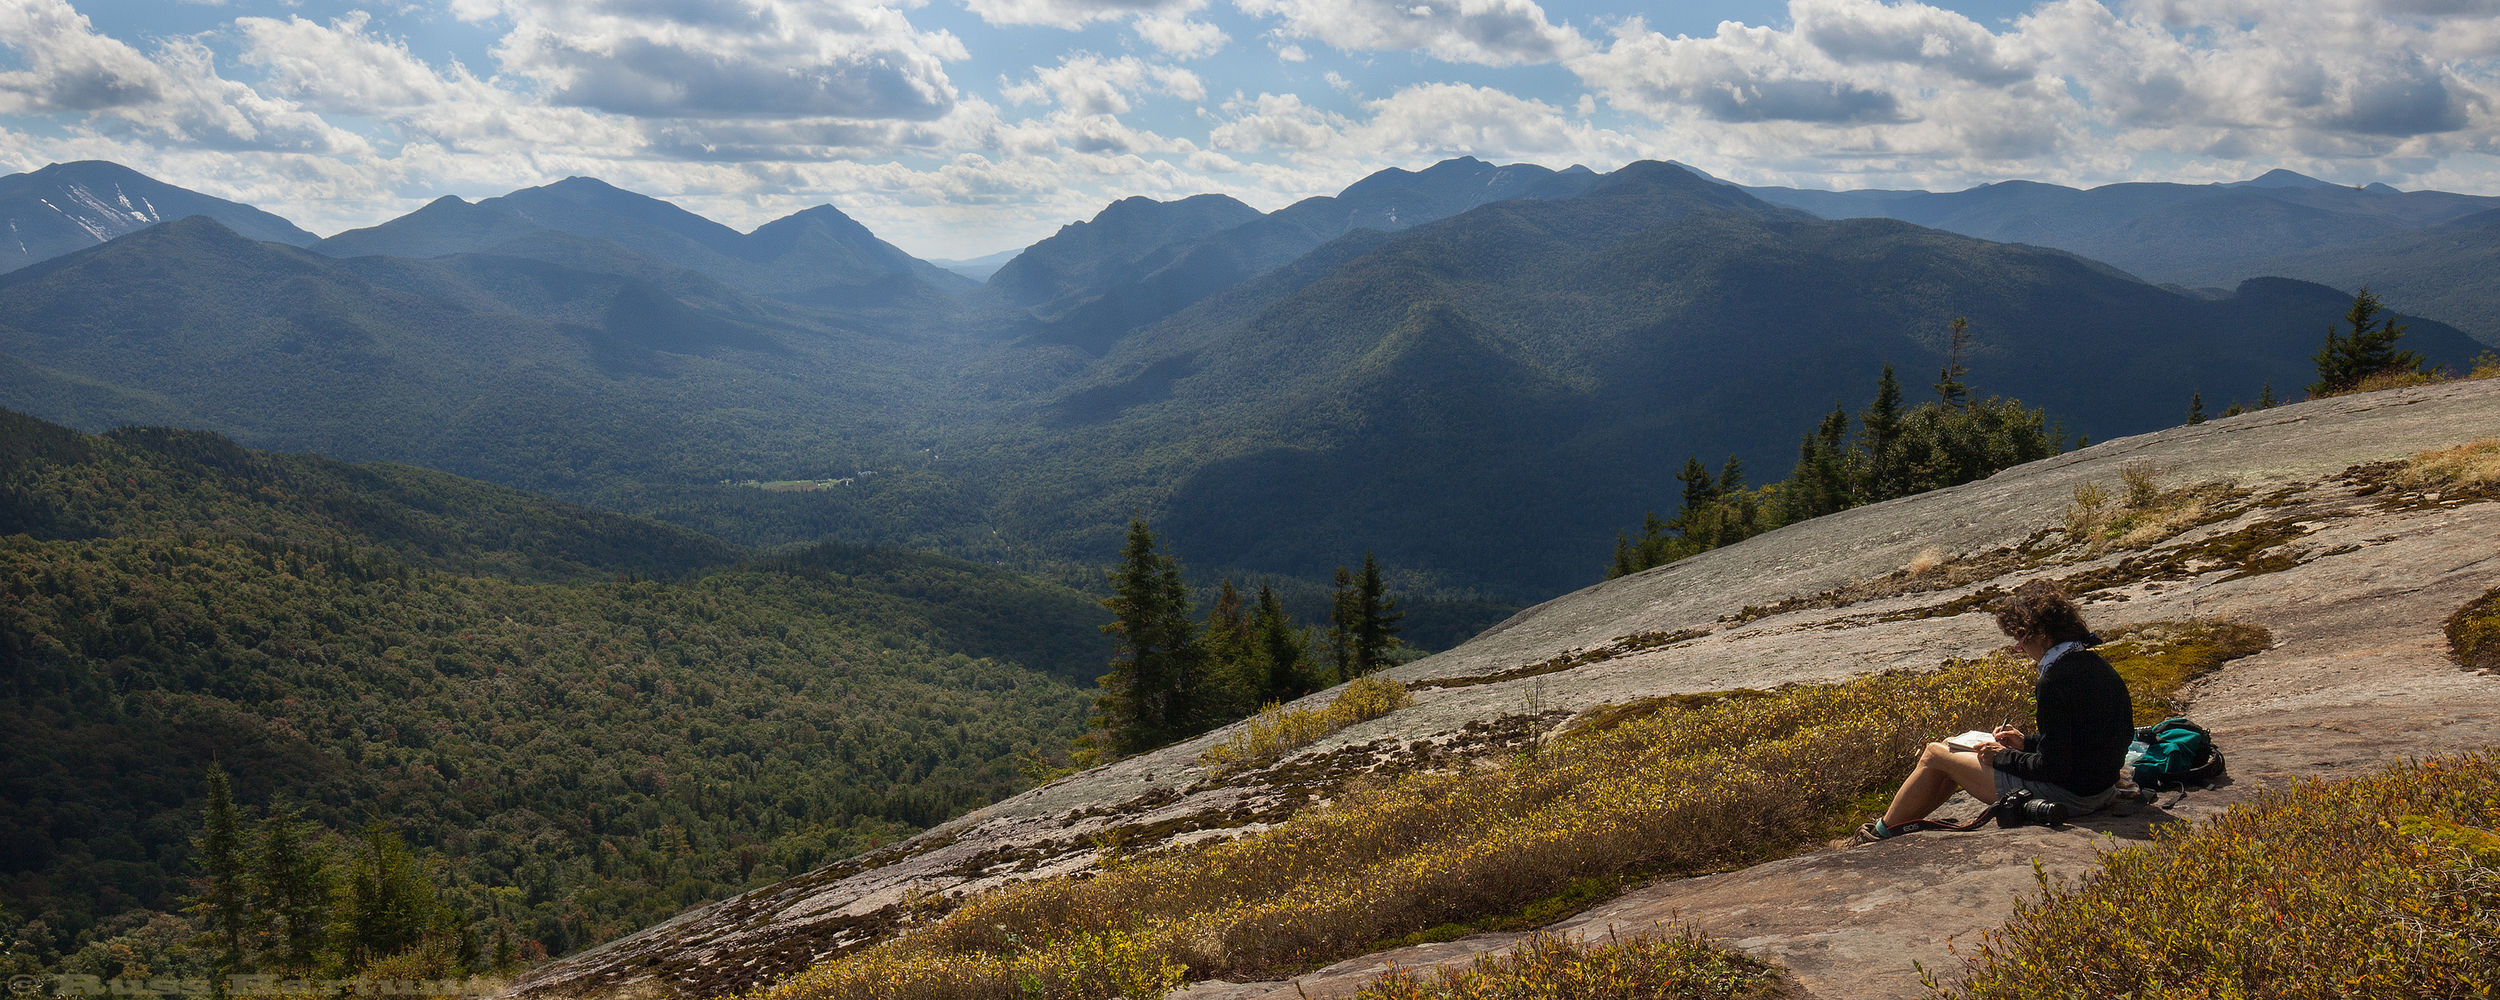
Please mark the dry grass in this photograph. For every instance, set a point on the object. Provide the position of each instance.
(1277, 730)
(2141, 513)
(1676, 965)
(1735, 781)
(2386, 886)
(2474, 463)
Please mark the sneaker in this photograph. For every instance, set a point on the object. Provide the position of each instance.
(1866, 834)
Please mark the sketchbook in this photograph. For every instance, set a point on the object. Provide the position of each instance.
(1972, 740)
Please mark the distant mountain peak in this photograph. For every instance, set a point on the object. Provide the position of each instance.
(2280, 178)
(66, 207)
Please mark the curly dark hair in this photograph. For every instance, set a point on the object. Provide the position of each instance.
(2041, 607)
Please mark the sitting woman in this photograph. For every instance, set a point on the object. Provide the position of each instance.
(2086, 722)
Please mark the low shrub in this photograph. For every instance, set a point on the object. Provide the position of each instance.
(2474, 633)
(1676, 965)
(2381, 886)
(1277, 731)
(2141, 513)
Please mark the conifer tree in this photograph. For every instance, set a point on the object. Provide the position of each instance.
(1950, 391)
(1147, 698)
(388, 905)
(1281, 647)
(2196, 408)
(2348, 358)
(1345, 615)
(1880, 439)
(293, 884)
(1376, 620)
(1235, 676)
(224, 903)
(2265, 398)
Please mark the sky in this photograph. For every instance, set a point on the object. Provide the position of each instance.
(957, 128)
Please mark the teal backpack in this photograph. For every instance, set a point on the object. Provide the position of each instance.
(2176, 753)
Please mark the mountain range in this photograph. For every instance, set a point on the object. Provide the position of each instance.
(67, 207)
(1477, 372)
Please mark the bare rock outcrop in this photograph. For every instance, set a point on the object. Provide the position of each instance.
(2353, 575)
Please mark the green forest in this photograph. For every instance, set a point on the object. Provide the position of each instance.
(577, 723)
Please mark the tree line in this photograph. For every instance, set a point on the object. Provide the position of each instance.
(1893, 451)
(1174, 676)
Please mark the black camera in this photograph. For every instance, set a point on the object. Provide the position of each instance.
(2021, 808)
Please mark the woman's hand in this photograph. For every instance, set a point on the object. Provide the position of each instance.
(2009, 737)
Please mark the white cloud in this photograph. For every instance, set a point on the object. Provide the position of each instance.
(2073, 88)
(1164, 24)
(1482, 32)
(731, 58)
(1087, 84)
(175, 94)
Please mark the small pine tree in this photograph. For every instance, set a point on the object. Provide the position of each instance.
(2346, 359)
(294, 887)
(224, 902)
(387, 906)
(1950, 390)
(1345, 614)
(1879, 429)
(2196, 408)
(1147, 696)
(1376, 620)
(1282, 648)
(2265, 397)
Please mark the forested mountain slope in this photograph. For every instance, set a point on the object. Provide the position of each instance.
(590, 720)
(72, 206)
(1178, 274)
(2444, 271)
(2182, 233)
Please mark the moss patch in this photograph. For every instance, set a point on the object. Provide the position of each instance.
(2159, 658)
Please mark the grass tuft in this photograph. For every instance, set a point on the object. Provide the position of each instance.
(2473, 463)
(1277, 731)
(2381, 886)
(1677, 965)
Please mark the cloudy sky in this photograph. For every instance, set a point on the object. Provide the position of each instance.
(960, 127)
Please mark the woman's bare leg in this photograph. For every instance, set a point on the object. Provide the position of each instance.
(1940, 770)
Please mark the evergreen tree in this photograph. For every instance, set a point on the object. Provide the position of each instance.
(2348, 358)
(2196, 408)
(1147, 697)
(1281, 647)
(293, 884)
(388, 905)
(1880, 441)
(1236, 675)
(1950, 392)
(2265, 398)
(224, 902)
(1345, 615)
(1376, 620)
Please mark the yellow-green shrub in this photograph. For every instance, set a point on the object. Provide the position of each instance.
(1676, 965)
(1277, 730)
(2382, 886)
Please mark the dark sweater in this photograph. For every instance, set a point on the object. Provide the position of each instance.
(2086, 722)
